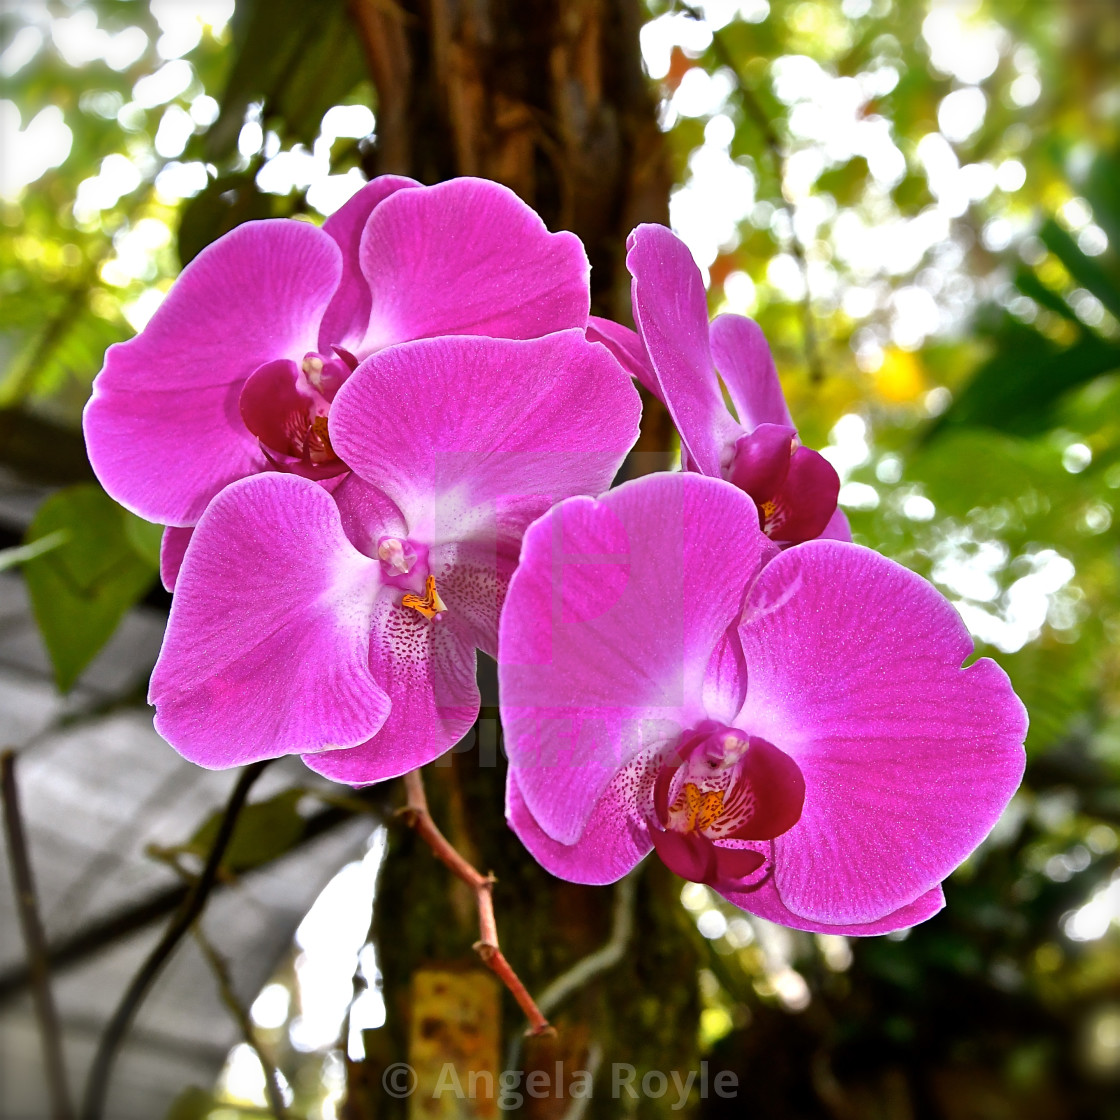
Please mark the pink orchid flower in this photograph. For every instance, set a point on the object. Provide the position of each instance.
(343, 626)
(793, 727)
(676, 355)
(237, 371)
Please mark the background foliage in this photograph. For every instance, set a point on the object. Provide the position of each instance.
(920, 203)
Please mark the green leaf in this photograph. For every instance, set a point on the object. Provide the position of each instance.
(1029, 284)
(81, 587)
(144, 536)
(11, 557)
(299, 59)
(1089, 272)
(191, 1104)
(265, 831)
(1102, 189)
(1015, 390)
(226, 202)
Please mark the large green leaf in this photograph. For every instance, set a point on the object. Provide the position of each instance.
(1014, 391)
(299, 59)
(225, 203)
(265, 830)
(193, 1104)
(1092, 273)
(81, 589)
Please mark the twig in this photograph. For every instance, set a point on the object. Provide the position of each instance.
(602, 959)
(778, 155)
(50, 1030)
(220, 967)
(594, 964)
(420, 819)
(122, 923)
(97, 1084)
(579, 1106)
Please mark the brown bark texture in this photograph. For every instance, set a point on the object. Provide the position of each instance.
(550, 99)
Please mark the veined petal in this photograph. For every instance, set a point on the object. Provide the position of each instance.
(855, 671)
(628, 350)
(474, 584)
(837, 528)
(468, 257)
(428, 671)
(614, 839)
(804, 506)
(485, 434)
(742, 356)
(172, 549)
(346, 320)
(267, 646)
(163, 428)
(725, 681)
(766, 903)
(607, 632)
(671, 312)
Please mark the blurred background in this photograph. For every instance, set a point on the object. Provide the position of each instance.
(919, 202)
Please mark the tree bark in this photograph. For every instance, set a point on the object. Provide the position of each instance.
(547, 97)
(550, 99)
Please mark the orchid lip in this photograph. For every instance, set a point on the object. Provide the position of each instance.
(430, 605)
(722, 784)
(794, 488)
(404, 565)
(286, 406)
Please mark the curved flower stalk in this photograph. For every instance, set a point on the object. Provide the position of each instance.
(238, 370)
(793, 727)
(343, 626)
(676, 354)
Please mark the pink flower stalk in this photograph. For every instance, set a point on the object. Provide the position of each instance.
(237, 371)
(792, 727)
(676, 355)
(343, 626)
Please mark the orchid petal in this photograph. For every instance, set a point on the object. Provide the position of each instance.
(477, 575)
(428, 671)
(766, 903)
(162, 427)
(486, 434)
(742, 356)
(628, 350)
(725, 681)
(468, 257)
(837, 528)
(367, 514)
(267, 646)
(346, 320)
(172, 549)
(671, 312)
(855, 672)
(614, 840)
(616, 602)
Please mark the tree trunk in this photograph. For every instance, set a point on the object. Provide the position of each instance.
(550, 99)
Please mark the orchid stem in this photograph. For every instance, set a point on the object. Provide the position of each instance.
(220, 967)
(24, 883)
(420, 819)
(97, 1084)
